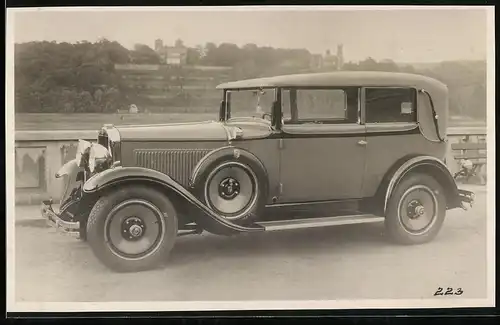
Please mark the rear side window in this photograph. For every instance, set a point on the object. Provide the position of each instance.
(385, 105)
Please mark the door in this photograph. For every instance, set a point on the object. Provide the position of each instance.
(323, 145)
(392, 132)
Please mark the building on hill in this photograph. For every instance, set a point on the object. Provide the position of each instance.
(340, 56)
(316, 61)
(171, 55)
(329, 61)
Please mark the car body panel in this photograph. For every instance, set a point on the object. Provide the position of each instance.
(324, 168)
(196, 131)
(381, 154)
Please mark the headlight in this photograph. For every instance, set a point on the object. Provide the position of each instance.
(99, 157)
(81, 152)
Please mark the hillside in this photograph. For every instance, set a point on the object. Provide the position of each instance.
(104, 77)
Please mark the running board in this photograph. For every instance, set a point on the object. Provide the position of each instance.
(319, 222)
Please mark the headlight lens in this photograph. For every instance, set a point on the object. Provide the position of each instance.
(99, 157)
(81, 151)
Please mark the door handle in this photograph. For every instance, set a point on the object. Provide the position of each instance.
(362, 142)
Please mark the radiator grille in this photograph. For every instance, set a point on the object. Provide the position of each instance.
(176, 163)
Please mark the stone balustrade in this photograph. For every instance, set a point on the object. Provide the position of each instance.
(38, 156)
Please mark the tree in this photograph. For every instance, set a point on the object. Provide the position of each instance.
(193, 56)
(143, 54)
(61, 77)
(179, 43)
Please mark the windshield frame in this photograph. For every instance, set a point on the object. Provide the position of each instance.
(227, 101)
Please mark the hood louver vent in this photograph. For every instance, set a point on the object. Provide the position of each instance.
(176, 163)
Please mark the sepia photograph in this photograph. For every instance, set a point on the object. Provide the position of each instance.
(250, 158)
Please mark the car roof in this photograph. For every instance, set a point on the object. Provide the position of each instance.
(338, 79)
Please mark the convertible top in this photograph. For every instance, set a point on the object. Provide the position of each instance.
(339, 78)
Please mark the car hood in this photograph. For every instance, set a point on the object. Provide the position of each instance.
(207, 131)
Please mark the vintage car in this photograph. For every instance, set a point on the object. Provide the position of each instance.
(286, 152)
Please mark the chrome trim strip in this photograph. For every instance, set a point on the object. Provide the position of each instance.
(362, 105)
(319, 222)
(228, 133)
(391, 127)
(298, 204)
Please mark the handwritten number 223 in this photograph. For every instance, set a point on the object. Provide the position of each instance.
(449, 291)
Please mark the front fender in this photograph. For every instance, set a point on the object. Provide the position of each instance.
(120, 175)
(229, 152)
(75, 177)
(430, 165)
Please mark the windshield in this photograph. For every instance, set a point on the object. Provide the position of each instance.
(251, 103)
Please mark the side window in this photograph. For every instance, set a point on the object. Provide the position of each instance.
(321, 105)
(324, 106)
(386, 105)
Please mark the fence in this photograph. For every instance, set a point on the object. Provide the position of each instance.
(40, 154)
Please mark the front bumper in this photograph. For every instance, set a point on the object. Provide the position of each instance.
(71, 228)
(466, 197)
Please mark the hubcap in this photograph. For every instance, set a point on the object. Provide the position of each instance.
(231, 190)
(418, 209)
(415, 209)
(134, 229)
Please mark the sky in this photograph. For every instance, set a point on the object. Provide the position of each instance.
(416, 35)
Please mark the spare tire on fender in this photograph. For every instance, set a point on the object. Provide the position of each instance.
(233, 183)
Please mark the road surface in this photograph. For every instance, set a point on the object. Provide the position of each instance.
(345, 262)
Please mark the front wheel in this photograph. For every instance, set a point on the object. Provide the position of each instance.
(416, 210)
(132, 229)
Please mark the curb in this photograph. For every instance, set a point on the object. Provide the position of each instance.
(28, 214)
(33, 223)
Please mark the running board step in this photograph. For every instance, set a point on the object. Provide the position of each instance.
(319, 222)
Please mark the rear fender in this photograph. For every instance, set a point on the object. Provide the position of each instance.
(121, 175)
(428, 165)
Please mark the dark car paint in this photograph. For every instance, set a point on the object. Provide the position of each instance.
(121, 175)
(289, 159)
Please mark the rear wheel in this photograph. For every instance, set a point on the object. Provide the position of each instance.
(132, 229)
(416, 210)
